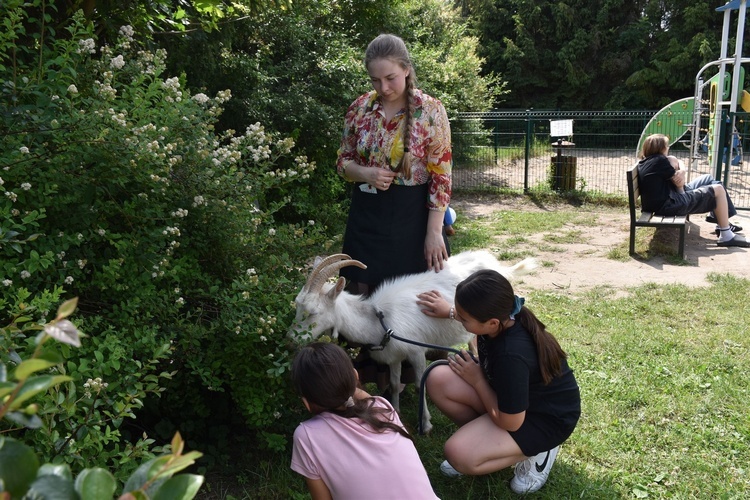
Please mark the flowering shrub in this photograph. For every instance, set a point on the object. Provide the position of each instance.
(183, 245)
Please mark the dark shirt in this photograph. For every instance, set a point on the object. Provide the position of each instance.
(511, 365)
(654, 178)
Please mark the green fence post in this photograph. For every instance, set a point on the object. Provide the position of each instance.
(527, 152)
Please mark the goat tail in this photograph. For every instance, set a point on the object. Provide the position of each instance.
(524, 267)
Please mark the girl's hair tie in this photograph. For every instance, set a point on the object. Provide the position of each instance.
(349, 402)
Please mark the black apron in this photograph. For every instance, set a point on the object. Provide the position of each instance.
(386, 232)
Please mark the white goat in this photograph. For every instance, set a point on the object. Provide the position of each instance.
(323, 306)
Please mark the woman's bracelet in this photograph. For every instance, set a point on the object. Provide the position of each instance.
(452, 313)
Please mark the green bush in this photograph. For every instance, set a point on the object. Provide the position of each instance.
(184, 245)
(20, 472)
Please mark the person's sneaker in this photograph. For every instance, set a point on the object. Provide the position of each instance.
(448, 470)
(531, 474)
(737, 241)
(735, 229)
(711, 219)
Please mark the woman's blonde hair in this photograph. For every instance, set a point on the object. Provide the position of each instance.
(393, 48)
(654, 144)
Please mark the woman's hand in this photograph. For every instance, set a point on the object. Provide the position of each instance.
(678, 179)
(433, 304)
(435, 252)
(381, 178)
(466, 368)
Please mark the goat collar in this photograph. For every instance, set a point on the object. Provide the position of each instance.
(386, 336)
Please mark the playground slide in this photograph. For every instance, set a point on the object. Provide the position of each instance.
(673, 120)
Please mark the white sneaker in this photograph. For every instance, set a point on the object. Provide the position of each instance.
(531, 474)
(448, 470)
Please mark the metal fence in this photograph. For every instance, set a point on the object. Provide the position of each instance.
(514, 151)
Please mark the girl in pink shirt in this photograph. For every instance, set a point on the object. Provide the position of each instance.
(355, 445)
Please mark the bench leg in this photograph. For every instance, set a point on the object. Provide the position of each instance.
(632, 239)
(682, 242)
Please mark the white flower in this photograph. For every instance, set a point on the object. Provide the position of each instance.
(101, 232)
(180, 301)
(25, 186)
(87, 46)
(272, 232)
(7, 282)
(10, 194)
(79, 236)
(24, 150)
(1, 181)
(311, 222)
(72, 89)
(251, 271)
(127, 31)
(25, 274)
(201, 98)
(117, 62)
(68, 280)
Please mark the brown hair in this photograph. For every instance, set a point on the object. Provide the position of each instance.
(324, 375)
(655, 144)
(487, 294)
(393, 48)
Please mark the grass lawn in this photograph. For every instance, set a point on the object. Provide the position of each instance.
(664, 374)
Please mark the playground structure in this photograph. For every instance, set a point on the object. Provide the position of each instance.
(711, 114)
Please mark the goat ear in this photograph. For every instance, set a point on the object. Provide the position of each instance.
(337, 289)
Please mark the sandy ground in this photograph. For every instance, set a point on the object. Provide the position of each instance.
(584, 265)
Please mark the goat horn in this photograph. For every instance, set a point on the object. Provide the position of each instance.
(325, 272)
(322, 265)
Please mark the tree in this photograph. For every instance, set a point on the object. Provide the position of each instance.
(603, 54)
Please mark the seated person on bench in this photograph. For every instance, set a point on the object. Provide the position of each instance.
(660, 184)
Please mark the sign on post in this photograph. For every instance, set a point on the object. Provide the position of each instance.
(560, 128)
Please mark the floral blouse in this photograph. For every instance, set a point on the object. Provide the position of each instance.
(371, 141)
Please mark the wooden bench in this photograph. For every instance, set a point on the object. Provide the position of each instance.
(649, 219)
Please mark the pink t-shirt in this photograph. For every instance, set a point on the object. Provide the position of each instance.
(357, 463)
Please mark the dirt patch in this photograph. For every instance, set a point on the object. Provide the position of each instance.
(584, 265)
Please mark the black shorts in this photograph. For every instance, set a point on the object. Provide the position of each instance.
(697, 201)
(540, 432)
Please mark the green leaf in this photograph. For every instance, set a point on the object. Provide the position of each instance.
(30, 366)
(6, 388)
(95, 483)
(67, 308)
(52, 488)
(183, 487)
(144, 473)
(22, 419)
(34, 385)
(18, 466)
(60, 470)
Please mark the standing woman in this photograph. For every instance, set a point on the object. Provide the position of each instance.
(396, 148)
(519, 402)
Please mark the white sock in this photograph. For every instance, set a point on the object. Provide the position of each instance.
(725, 234)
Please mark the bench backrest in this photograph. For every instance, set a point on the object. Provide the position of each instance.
(634, 190)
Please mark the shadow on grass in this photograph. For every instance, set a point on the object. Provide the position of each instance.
(565, 481)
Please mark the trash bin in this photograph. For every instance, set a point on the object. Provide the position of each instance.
(563, 168)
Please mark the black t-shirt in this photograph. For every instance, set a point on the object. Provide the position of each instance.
(654, 178)
(511, 365)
